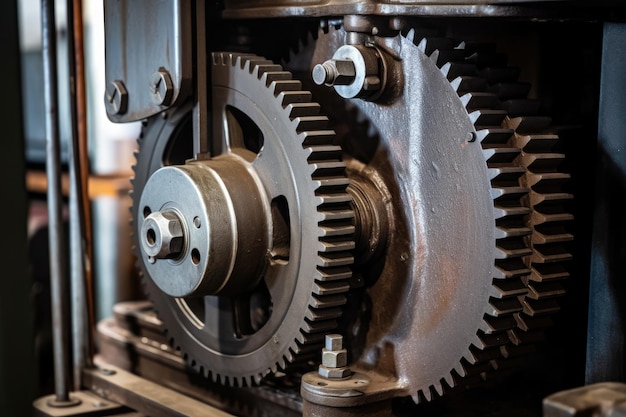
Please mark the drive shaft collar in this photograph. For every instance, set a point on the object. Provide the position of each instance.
(204, 229)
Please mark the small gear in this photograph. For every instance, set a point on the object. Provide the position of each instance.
(267, 128)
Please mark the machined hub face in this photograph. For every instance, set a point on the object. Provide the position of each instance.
(205, 228)
(267, 227)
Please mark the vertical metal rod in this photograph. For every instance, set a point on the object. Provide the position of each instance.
(53, 171)
(201, 107)
(78, 250)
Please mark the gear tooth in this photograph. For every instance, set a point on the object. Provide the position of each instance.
(427, 394)
(422, 45)
(411, 35)
(258, 378)
(448, 381)
(279, 86)
(434, 56)
(459, 370)
(242, 62)
(289, 97)
(438, 390)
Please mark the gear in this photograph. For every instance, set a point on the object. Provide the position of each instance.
(275, 160)
(471, 128)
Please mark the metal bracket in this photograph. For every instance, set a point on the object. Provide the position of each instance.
(148, 56)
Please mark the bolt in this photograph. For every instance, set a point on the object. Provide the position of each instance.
(334, 359)
(162, 235)
(116, 98)
(161, 87)
(334, 72)
(334, 342)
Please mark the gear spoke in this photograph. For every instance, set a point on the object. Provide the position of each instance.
(218, 317)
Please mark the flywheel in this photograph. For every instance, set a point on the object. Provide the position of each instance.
(246, 255)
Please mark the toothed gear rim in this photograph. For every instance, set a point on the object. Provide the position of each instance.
(493, 101)
(306, 289)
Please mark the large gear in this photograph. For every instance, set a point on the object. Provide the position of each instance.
(527, 214)
(268, 129)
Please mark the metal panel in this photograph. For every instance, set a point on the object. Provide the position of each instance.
(607, 314)
(148, 56)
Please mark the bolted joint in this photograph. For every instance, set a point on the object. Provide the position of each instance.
(334, 358)
(334, 72)
(162, 235)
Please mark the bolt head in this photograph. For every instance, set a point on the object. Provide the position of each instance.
(333, 342)
(161, 88)
(116, 98)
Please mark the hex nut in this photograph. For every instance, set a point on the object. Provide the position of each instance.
(162, 235)
(334, 373)
(334, 358)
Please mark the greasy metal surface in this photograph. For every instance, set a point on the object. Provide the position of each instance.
(602, 399)
(143, 38)
(298, 163)
(115, 384)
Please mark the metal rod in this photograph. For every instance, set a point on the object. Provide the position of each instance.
(201, 107)
(81, 337)
(53, 171)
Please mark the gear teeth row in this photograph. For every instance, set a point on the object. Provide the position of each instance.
(549, 203)
(551, 222)
(523, 181)
(336, 231)
(486, 113)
